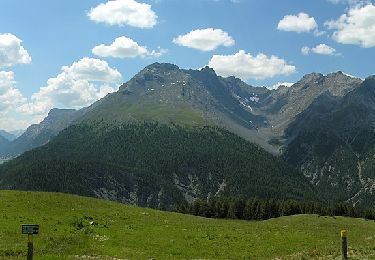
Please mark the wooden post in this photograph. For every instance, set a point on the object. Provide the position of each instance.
(344, 244)
(30, 230)
(30, 247)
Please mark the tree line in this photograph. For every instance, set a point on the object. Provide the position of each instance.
(263, 209)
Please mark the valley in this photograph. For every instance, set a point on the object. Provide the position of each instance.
(162, 129)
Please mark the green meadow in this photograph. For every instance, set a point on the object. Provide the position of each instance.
(73, 227)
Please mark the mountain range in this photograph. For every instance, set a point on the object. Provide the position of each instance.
(323, 126)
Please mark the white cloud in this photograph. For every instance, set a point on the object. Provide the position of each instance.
(322, 49)
(279, 84)
(205, 39)
(13, 122)
(351, 2)
(124, 12)
(10, 99)
(124, 47)
(78, 85)
(297, 23)
(246, 66)
(10, 96)
(357, 27)
(11, 51)
(305, 50)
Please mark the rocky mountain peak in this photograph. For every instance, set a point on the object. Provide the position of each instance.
(370, 79)
(151, 77)
(56, 115)
(160, 68)
(55, 118)
(337, 83)
(341, 76)
(208, 70)
(312, 77)
(59, 111)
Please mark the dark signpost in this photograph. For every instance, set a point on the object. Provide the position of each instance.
(30, 230)
(344, 244)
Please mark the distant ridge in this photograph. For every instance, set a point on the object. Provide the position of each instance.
(7, 135)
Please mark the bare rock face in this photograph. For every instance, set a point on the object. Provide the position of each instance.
(288, 104)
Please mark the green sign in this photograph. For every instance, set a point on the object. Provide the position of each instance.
(30, 229)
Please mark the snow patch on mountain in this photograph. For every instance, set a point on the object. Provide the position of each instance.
(279, 84)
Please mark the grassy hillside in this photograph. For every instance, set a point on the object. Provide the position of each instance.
(139, 112)
(119, 231)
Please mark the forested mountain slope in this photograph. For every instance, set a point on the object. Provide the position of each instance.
(154, 165)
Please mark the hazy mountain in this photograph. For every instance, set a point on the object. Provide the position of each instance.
(39, 134)
(17, 133)
(3, 141)
(7, 135)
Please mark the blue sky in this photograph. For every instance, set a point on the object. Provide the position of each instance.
(258, 41)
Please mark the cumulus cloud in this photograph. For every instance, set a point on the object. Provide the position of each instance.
(205, 39)
(322, 49)
(10, 96)
(124, 12)
(356, 27)
(124, 47)
(245, 66)
(78, 85)
(10, 99)
(297, 23)
(11, 51)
